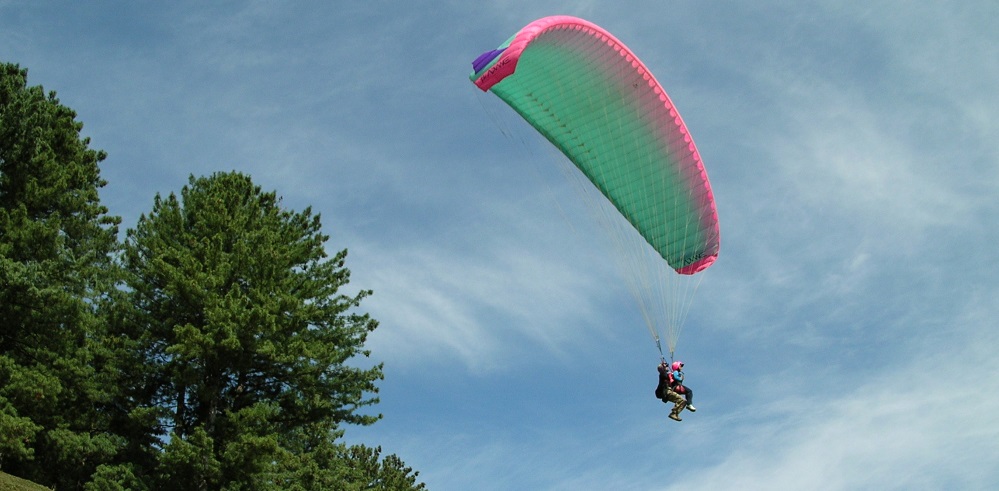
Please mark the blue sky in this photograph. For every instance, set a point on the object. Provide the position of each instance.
(845, 338)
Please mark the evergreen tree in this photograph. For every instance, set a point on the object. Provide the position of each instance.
(227, 359)
(246, 336)
(317, 462)
(56, 272)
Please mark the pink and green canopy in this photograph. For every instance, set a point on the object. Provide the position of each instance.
(596, 102)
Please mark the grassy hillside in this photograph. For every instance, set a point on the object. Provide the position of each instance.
(11, 483)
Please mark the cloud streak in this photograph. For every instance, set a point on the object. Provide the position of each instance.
(843, 339)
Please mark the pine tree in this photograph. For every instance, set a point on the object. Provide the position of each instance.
(56, 272)
(239, 316)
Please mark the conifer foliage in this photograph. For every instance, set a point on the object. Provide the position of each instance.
(241, 318)
(218, 347)
(56, 271)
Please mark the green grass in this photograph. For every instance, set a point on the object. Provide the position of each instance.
(11, 483)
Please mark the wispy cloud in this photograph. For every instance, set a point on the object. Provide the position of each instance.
(844, 339)
(923, 425)
(501, 284)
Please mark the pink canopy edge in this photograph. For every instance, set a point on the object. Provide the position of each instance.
(698, 266)
(507, 64)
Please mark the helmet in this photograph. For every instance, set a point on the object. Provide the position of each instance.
(677, 365)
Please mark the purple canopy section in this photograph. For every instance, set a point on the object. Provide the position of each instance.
(485, 58)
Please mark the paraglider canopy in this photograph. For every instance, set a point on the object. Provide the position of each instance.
(591, 97)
